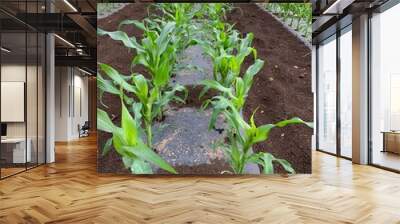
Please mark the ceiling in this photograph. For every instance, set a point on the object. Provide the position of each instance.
(332, 15)
(74, 22)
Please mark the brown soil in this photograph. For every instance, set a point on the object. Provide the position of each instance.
(280, 91)
(117, 55)
(283, 88)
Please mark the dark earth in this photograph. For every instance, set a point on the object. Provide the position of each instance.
(280, 91)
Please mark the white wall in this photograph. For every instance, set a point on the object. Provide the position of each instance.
(71, 94)
(61, 103)
(33, 126)
(16, 73)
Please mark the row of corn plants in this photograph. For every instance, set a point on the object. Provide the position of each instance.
(228, 51)
(144, 97)
(296, 15)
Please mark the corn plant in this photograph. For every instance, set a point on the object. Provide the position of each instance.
(156, 51)
(149, 95)
(183, 15)
(214, 11)
(243, 135)
(227, 62)
(127, 142)
(290, 12)
(237, 93)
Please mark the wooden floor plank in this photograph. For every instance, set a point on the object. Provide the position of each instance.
(71, 191)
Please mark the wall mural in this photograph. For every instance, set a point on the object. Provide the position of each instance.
(204, 89)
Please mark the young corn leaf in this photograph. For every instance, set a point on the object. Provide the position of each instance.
(104, 122)
(145, 153)
(136, 109)
(107, 147)
(251, 72)
(128, 124)
(140, 166)
(142, 89)
(106, 85)
(266, 162)
(138, 24)
(213, 84)
(294, 120)
(129, 42)
(286, 165)
(127, 161)
(162, 41)
(119, 142)
(116, 77)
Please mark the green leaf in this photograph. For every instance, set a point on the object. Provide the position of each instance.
(107, 147)
(104, 122)
(251, 72)
(116, 77)
(119, 142)
(268, 166)
(286, 165)
(203, 91)
(128, 124)
(127, 161)
(294, 120)
(138, 24)
(162, 39)
(106, 85)
(213, 84)
(123, 37)
(140, 167)
(145, 153)
(137, 108)
(163, 74)
(262, 133)
(142, 87)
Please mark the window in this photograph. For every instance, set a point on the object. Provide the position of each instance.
(346, 92)
(22, 101)
(385, 89)
(327, 95)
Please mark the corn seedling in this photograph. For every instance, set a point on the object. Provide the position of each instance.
(237, 93)
(150, 96)
(242, 136)
(156, 51)
(183, 15)
(291, 12)
(214, 11)
(127, 142)
(227, 54)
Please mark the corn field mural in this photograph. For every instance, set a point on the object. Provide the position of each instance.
(201, 89)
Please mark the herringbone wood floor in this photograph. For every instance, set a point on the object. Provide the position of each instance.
(70, 191)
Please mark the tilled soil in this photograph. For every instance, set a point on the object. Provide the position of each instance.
(118, 56)
(283, 87)
(280, 91)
